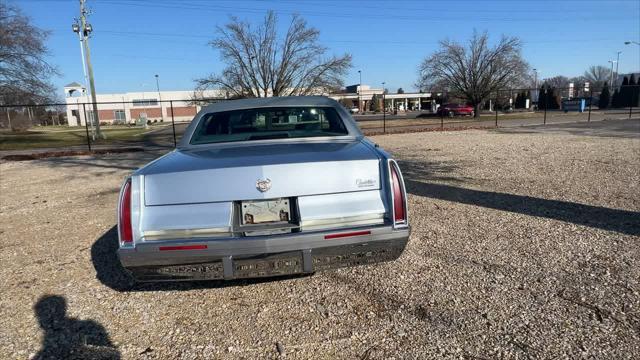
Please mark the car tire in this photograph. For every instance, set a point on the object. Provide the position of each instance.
(451, 114)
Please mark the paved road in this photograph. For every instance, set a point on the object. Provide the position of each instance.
(418, 122)
(491, 115)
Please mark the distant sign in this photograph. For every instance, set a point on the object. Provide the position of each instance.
(570, 90)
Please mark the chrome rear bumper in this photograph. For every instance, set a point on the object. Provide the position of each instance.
(261, 256)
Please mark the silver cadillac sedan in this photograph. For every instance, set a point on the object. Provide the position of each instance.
(263, 187)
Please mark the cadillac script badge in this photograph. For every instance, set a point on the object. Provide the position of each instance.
(263, 185)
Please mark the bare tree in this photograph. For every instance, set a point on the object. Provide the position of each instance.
(476, 72)
(198, 98)
(258, 64)
(597, 75)
(558, 82)
(24, 71)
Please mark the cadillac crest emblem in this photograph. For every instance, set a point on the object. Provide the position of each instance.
(263, 185)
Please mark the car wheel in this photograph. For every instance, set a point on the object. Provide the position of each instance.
(450, 114)
(472, 114)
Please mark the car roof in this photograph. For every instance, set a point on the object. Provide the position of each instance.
(285, 101)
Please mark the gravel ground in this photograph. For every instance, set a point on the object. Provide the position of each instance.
(524, 245)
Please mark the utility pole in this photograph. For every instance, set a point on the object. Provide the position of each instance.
(76, 29)
(86, 29)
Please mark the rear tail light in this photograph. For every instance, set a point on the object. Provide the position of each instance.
(398, 195)
(124, 215)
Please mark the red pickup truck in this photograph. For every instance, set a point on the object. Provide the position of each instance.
(452, 110)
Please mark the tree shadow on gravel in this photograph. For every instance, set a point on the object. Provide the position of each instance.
(112, 274)
(622, 221)
(70, 338)
(430, 170)
(130, 161)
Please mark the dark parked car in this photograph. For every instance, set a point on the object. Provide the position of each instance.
(452, 110)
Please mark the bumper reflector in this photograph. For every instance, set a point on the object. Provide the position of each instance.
(347, 234)
(184, 247)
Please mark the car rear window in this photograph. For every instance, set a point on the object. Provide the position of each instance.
(268, 123)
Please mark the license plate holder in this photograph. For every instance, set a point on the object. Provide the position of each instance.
(270, 211)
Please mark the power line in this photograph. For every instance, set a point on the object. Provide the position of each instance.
(346, 5)
(253, 10)
(363, 41)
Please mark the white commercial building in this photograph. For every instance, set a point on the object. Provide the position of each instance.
(140, 107)
(134, 106)
(362, 95)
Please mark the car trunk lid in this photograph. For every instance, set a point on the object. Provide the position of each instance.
(235, 173)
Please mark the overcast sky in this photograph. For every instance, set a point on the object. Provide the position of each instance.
(135, 39)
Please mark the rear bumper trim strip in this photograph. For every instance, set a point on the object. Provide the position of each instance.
(183, 247)
(347, 234)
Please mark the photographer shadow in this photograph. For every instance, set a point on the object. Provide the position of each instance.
(70, 338)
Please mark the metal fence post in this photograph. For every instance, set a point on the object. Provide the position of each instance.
(546, 105)
(384, 112)
(86, 125)
(590, 101)
(173, 124)
(630, 108)
(384, 121)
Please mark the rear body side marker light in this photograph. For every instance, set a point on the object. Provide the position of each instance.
(185, 247)
(348, 234)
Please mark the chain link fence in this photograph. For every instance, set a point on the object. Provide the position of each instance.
(161, 123)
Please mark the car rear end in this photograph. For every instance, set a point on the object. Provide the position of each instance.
(274, 208)
(465, 110)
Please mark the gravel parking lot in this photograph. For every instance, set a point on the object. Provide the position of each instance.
(525, 244)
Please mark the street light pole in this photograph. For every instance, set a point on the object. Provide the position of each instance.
(384, 110)
(144, 107)
(159, 98)
(611, 76)
(631, 42)
(535, 84)
(617, 63)
(360, 91)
